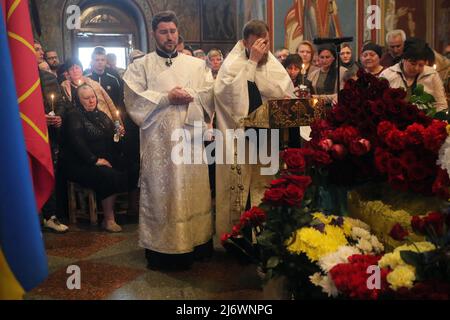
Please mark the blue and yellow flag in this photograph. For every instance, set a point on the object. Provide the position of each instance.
(23, 262)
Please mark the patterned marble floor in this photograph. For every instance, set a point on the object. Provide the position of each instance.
(113, 267)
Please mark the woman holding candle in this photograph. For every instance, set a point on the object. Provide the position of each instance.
(306, 51)
(75, 71)
(92, 158)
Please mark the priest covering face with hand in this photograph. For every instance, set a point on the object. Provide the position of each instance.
(250, 75)
(165, 92)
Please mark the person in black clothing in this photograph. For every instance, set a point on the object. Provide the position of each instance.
(54, 106)
(113, 84)
(107, 78)
(293, 65)
(91, 156)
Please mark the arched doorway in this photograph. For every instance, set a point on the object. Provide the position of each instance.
(117, 25)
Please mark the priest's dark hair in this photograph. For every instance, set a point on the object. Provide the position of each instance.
(164, 16)
(255, 27)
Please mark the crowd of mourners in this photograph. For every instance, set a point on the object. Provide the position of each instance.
(95, 143)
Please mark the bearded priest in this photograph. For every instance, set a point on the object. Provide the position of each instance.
(166, 92)
(249, 76)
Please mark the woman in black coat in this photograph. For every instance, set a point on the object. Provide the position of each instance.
(93, 157)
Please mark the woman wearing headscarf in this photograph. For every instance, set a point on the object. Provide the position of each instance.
(371, 57)
(347, 59)
(412, 71)
(92, 155)
(324, 79)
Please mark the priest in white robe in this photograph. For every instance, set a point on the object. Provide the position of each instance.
(249, 76)
(166, 91)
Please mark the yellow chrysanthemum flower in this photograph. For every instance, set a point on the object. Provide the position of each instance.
(393, 259)
(316, 244)
(402, 277)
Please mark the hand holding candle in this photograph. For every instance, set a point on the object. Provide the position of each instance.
(52, 113)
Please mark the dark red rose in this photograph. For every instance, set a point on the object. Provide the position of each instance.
(359, 147)
(344, 135)
(436, 221)
(278, 183)
(398, 182)
(382, 158)
(435, 135)
(418, 171)
(274, 196)
(236, 230)
(384, 128)
(322, 158)
(338, 151)
(294, 160)
(396, 140)
(378, 107)
(300, 181)
(394, 166)
(415, 133)
(398, 232)
(392, 94)
(408, 158)
(255, 217)
(441, 184)
(418, 224)
(326, 144)
(224, 238)
(409, 112)
(293, 195)
(339, 114)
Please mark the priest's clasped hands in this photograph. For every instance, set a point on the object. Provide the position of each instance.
(179, 96)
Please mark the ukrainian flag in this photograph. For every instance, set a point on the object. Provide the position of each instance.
(23, 262)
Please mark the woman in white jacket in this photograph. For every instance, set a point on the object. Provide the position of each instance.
(412, 71)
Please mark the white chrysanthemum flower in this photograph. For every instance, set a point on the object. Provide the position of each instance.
(378, 247)
(357, 223)
(444, 156)
(327, 262)
(365, 246)
(316, 278)
(360, 233)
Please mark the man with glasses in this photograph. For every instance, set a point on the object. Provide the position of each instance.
(53, 61)
(395, 41)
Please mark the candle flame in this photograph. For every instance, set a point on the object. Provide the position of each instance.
(434, 66)
(52, 96)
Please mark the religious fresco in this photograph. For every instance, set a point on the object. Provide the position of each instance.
(188, 16)
(408, 15)
(219, 20)
(308, 19)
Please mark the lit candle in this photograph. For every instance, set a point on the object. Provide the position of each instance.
(303, 73)
(53, 99)
(434, 66)
(79, 82)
